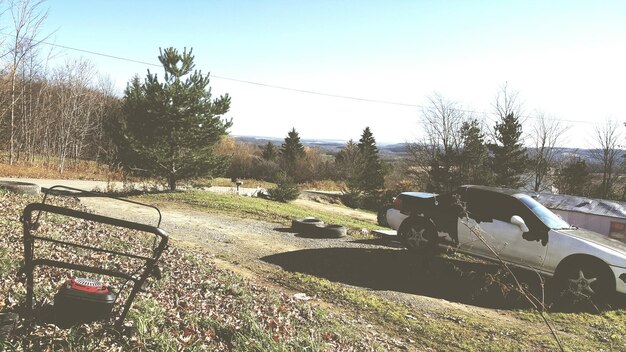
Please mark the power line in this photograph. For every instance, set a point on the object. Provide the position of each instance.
(305, 91)
(267, 85)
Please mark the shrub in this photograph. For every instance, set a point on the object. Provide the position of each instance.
(352, 198)
(285, 190)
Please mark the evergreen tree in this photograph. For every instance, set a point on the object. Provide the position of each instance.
(269, 152)
(170, 126)
(474, 157)
(509, 154)
(286, 189)
(349, 165)
(372, 173)
(291, 151)
(574, 179)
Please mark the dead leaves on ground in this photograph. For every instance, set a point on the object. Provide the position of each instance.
(195, 306)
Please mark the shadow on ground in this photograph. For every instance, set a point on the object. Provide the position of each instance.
(453, 279)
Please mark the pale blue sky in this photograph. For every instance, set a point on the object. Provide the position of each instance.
(566, 58)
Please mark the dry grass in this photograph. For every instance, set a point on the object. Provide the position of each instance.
(40, 168)
(323, 185)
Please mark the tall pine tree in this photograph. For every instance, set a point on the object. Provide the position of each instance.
(349, 166)
(574, 178)
(269, 152)
(169, 127)
(509, 154)
(372, 174)
(291, 151)
(474, 156)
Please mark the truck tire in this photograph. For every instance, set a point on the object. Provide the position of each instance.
(331, 231)
(305, 225)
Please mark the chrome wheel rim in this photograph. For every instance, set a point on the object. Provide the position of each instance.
(582, 285)
(415, 237)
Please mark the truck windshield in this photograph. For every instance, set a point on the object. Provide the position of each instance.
(549, 218)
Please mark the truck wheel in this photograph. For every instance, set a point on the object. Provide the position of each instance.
(306, 225)
(331, 231)
(417, 234)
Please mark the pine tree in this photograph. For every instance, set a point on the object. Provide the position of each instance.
(509, 154)
(574, 178)
(170, 126)
(349, 165)
(372, 174)
(269, 152)
(474, 156)
(291, 151)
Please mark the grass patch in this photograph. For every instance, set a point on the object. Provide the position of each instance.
(8, 265)
(460, 330)
(255, 208)
(606, 330)
(456, 331)
(227, 182)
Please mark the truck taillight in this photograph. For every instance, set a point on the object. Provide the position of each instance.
(397, 203)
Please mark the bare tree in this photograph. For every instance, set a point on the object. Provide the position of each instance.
(507, 103)
(27, 18)
(545, 135)
(607, 137)
(76, 109)
(434, 158)
(510, 157)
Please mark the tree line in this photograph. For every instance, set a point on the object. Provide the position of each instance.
(49, 115)
(171, 127)
(460, 148)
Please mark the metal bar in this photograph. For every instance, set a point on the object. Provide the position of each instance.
(89, 269)
(97, 194)
(95, 217)
(131, 297)
(95, 249)
(28, 264)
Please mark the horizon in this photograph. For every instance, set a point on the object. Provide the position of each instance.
(330, 69)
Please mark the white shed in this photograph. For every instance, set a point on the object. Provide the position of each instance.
(599, 215)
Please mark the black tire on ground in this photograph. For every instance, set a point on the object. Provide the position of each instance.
(418, 234)
(306, 225)
(20, 187)
(331, 231)
(381, 216)
(585, 285)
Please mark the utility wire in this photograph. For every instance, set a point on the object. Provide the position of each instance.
(305, 91)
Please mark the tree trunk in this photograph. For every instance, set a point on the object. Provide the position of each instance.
(171, 181)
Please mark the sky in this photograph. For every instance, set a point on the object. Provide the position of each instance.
(566, 59)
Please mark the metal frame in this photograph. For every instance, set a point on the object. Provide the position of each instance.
(30, 262)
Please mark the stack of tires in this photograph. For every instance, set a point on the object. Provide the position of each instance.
(312, 227)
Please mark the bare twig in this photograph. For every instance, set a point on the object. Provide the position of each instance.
(477, 232)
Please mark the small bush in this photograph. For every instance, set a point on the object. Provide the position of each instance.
(285, 190)
(353, 198)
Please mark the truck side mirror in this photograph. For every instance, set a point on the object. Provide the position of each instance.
(519, 222)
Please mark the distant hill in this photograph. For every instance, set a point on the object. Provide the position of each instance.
(398, 150)
(327, 146)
